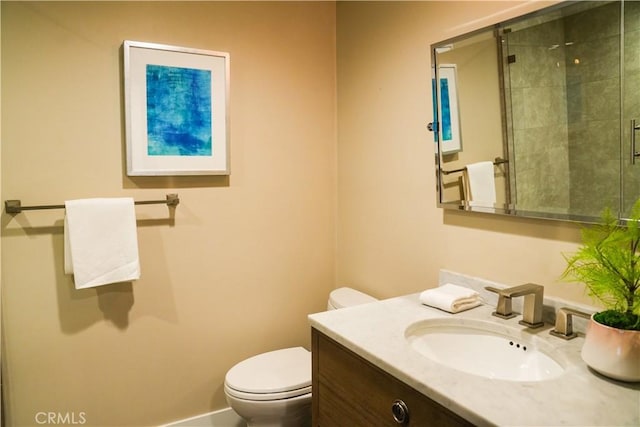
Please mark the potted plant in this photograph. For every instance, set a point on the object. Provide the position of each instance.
(608, 263)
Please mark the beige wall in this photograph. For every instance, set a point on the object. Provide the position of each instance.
(245, 259)
(243, 262)
(392, 239)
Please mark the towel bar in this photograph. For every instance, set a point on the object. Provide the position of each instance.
(15, 206)
(496, 162)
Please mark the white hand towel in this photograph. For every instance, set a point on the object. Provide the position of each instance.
(482, 183)
(451, 298)
(101, 244)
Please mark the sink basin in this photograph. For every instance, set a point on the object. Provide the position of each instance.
(486, 349)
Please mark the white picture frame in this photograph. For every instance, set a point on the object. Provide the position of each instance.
(448, 112)
(176, 110)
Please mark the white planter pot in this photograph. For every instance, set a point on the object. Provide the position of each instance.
(615, 353)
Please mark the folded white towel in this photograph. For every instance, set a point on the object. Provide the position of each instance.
(101, 244)
(451, 298)
(482, 183)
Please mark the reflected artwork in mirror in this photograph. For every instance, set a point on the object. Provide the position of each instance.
(547, 109)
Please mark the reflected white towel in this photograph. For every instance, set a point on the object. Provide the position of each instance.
(451, 298)
(482, 183)
(100, 241)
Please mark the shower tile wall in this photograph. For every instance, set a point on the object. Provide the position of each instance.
(631, 189)
(593, 107)
(539, 110)
(565, 102)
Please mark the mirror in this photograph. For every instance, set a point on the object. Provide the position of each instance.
(536, 116)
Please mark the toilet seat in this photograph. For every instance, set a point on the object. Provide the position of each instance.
(279, 374)
(267, 396)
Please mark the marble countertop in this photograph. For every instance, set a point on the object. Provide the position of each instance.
(579, 397)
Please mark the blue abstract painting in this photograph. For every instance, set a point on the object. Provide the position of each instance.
(445, 108)
(178, 111)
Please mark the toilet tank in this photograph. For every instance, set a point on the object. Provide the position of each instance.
(347, 297)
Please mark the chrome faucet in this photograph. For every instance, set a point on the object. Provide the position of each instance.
(564, 323)
(533, 298)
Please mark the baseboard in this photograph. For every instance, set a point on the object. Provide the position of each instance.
(221, 418)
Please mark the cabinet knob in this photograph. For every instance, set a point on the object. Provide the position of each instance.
(400, 412)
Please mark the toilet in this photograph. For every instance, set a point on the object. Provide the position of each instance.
(274, 389)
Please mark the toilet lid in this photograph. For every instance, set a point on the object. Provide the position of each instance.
(272, 372)
(348, 297)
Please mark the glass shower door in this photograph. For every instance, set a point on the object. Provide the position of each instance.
(563, 85)
(630, 69)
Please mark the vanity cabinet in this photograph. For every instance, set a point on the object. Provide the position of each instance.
(350, 391)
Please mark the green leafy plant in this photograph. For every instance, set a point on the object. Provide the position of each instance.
(608, 263)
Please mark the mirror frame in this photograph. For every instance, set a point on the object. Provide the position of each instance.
(507, 209)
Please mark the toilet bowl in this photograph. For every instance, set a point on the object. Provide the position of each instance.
(274, 389)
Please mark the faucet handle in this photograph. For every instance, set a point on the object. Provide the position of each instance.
(493, 289)
(564, 323)
(503, 308)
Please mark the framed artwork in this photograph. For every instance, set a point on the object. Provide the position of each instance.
(449, 123)
(176, 110)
